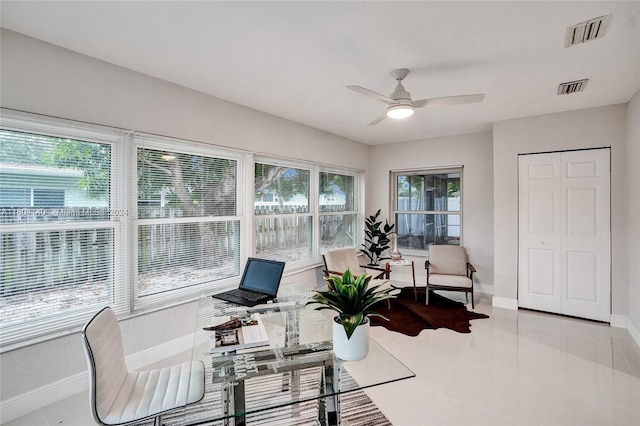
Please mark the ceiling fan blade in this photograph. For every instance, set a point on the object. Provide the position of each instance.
(448, 100)
(371, 93)
(377, 120)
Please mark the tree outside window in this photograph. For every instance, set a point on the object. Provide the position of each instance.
(338, 210)
(282, 219)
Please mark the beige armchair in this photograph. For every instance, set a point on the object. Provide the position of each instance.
(337, 261)
(448, 269)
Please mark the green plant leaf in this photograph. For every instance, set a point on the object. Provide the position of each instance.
(350, 323)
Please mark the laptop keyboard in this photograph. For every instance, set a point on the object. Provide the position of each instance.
(247, 295)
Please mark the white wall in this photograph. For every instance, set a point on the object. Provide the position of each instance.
(588, 128)
(40, 78)
(474, 152)
(633, 211)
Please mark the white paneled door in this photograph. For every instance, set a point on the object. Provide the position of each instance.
(564, 252)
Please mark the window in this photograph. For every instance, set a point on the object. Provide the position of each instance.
(338, 210)
(427, 207)
(92, 216)
(283, 221)
(58, 240)
(302, 209)
(188, 225)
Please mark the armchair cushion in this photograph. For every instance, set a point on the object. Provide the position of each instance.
(450, 280)
(384, 284)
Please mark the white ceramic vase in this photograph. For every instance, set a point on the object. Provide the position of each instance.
(355, 348)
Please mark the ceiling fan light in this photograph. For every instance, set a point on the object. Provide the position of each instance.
(399, 112)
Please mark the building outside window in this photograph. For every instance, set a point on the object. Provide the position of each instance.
(427, 207)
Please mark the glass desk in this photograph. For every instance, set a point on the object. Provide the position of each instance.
(296, 374)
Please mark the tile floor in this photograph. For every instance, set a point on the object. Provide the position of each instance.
(515, 368)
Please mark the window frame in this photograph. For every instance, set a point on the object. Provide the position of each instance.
(178, 295)
(61, 324)
(358, 209)
(312, 213)
(393, 178)
(314, 203)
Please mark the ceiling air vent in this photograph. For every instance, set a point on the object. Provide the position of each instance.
(572, 87)
(586, 31)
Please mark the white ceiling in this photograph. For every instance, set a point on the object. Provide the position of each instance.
(294, 59)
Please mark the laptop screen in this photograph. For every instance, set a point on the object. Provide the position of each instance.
(262, 275)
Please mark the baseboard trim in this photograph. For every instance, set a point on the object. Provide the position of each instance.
(505, 303)
(38, 398)
(34, 400)
(621, 321)
(633, 330)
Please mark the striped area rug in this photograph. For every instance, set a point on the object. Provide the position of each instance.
(356, 407)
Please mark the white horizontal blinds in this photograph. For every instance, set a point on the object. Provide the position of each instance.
(58, 230)
(428, 207)
(188, 227)
(338, 207)
(282, 212)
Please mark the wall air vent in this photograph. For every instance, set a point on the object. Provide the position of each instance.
(572, 87)
(586, 31)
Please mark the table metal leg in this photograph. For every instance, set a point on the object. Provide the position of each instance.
(239, 403)
(329, 406)
(233, 401)
(227, 392)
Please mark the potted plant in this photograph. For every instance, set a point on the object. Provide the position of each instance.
(376, 238)
(354, 301)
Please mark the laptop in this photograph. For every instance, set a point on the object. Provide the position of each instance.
(259, 283)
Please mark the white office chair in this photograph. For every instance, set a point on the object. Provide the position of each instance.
(119, 396)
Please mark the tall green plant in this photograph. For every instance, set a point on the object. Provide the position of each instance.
(376, 238)
(351, 298)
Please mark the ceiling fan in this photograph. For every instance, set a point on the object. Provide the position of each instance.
(400, 105)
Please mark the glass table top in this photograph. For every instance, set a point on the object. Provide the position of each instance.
(297, 365)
